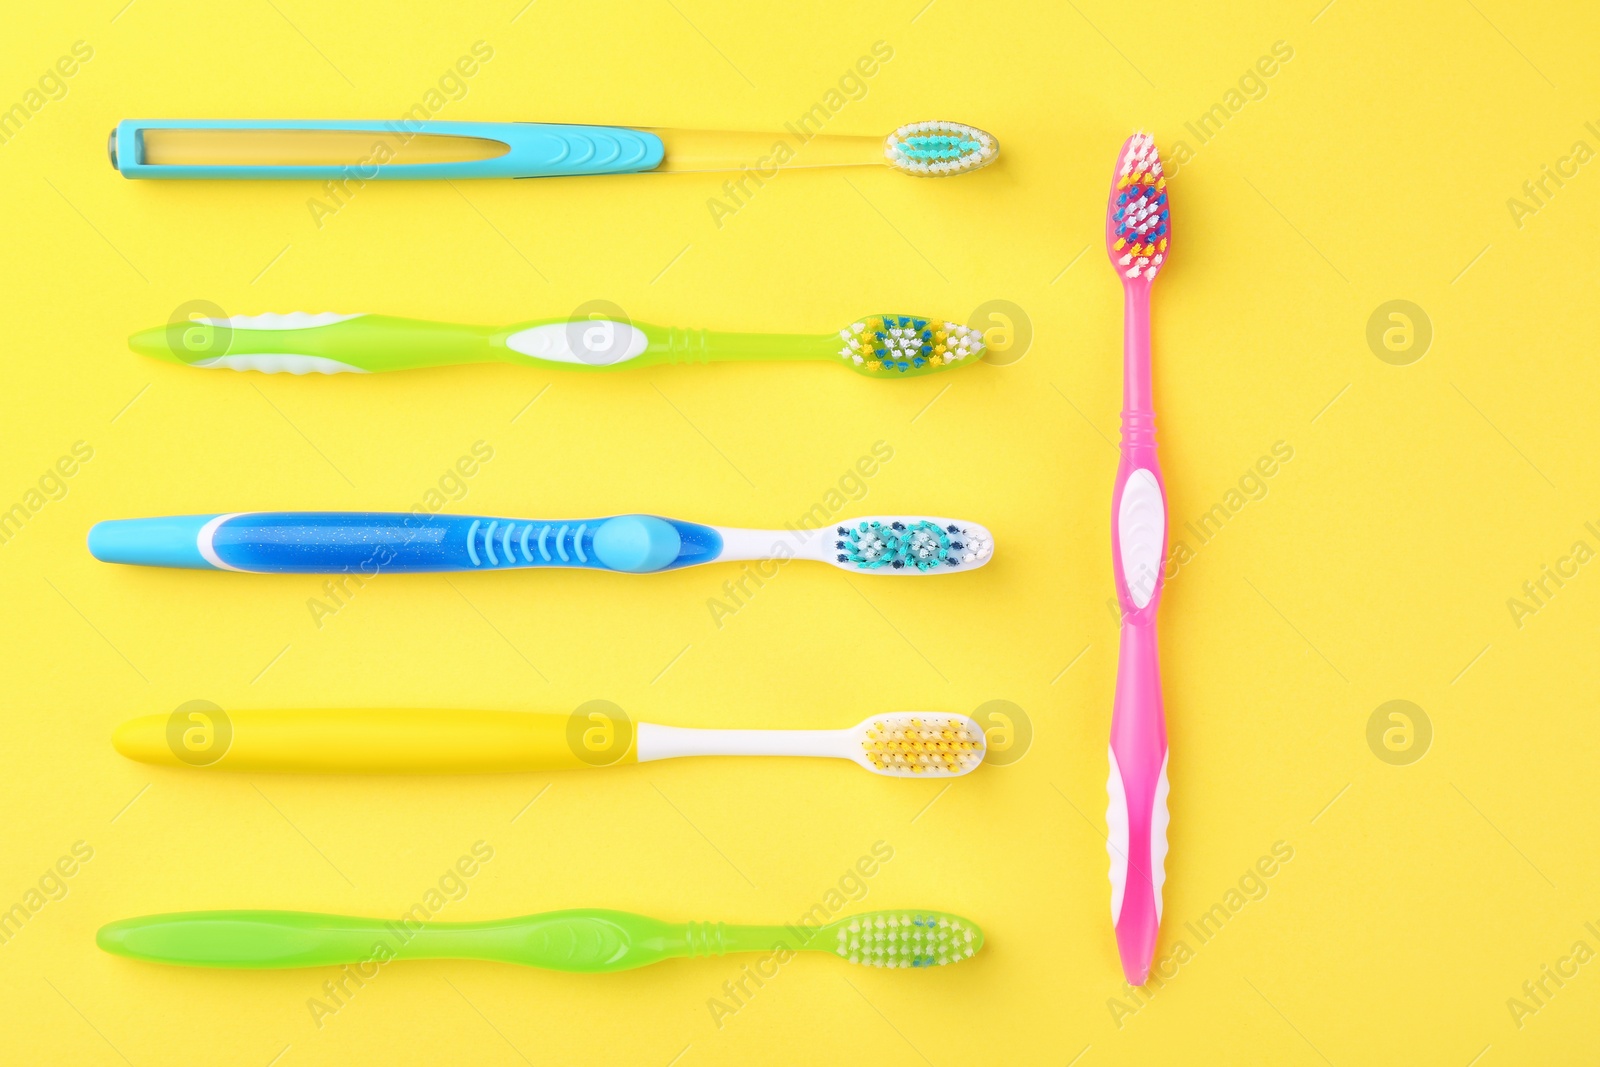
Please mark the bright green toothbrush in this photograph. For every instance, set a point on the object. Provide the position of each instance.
(588, 940)
(879, 346)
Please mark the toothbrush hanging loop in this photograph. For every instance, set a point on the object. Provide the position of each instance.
(364, 150)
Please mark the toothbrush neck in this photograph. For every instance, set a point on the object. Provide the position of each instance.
(719, 939)
(665, 742)
(1138, 401)
(709, 346)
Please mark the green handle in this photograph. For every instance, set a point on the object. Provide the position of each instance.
(586, 941)
(300, 343)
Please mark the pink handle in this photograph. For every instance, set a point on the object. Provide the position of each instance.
(1136, 812)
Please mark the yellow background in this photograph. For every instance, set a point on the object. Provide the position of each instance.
(1376, 167)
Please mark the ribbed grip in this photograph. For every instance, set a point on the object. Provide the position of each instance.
(1138, 429)
(687, 346)
(706, 939)
(372, 543)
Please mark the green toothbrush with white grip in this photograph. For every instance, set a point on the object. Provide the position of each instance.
(589, 940)
(878, 346)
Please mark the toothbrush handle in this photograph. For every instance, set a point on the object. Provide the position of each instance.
(1136, 811)
(257, 939)
(588, 940)
(532, 149)
(371, 741)
(301, 343)
(366, 544)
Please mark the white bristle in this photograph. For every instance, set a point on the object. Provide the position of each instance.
(906, 939)
(899, 156)
(906, 544)
(901, 348)
(1138, 237)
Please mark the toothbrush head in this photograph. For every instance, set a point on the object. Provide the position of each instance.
(909, 544)
(902, 938)
(905, 346)
(918, 744)
(1138, 222)
(937, 149)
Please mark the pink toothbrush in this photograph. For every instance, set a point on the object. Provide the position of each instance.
(1138, 226)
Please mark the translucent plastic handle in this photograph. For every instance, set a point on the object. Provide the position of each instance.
(359, 150)
(369, 543)
(590, 940)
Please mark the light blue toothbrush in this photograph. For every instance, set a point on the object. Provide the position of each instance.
(362, 150)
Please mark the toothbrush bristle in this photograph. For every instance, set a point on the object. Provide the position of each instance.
(1138, 223)
(906, 745)
(938, 149)
(895, 346)
(910, 545)
(905, 939)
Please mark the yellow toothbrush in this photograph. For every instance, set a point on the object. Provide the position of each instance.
(437, 741)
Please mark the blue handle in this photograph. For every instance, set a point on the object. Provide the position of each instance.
(534, 150)
(370, 543)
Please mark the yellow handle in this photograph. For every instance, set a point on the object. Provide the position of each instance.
(375, 741)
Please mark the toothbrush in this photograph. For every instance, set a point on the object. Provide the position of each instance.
(431, 741)
(588, 941)
(878, 346)
(371, 543)
(363, 150)
(1138, 228)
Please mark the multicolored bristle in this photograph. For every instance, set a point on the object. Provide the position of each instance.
(1138, 225)
(893, 346)
(937, 149)
(918, 545)
(921, 745)
(903, 939)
